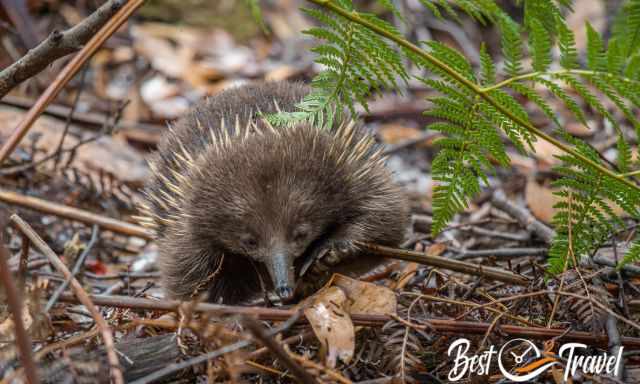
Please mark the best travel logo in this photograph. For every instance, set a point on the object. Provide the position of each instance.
(520, 360)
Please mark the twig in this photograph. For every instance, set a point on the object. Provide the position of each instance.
(15, 306)
(438, 325)
(11, 170)
(76, 214)
(295, 315)
(76, 268)
(524, 217)
(502, 253)
(453, 265)
(56, 45)
(261, 335)
(67, 123)
(80, 293)
(67, 72)
(151, 132)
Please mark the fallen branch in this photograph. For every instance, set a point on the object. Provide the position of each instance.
(67, 73)
(72, 213)
(369, 320)
(452, 265)
(83, 297)
(144, 132)
(523, 216)
(56, 45)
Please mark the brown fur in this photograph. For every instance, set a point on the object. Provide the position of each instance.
(229, 191)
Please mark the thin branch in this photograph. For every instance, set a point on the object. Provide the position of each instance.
(67, 124)
(260, 334)
(72, 213)
(15, 306)
(450, 264)
(368, 320)
(83, 297)
(533, 75)
(56, 45)
(66, 74)
(523, 216)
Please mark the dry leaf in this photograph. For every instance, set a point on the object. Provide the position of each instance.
(332, 325)
(7, 327)
(546, 153)
(396, 133)
(328, 313)
(436, 249)
(366, 297)
(540, 199)
(578, 129)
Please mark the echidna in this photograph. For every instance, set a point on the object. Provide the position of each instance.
(237, 204)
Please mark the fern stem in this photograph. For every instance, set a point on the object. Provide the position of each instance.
(354, 17)
(631, 174)
(532, 75)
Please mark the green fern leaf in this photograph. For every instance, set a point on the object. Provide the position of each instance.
(488, 70)
(511, 44)
(632, 255)
(567, 45)
(540, 44)
(596, 59)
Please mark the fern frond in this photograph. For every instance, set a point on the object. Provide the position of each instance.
(488, 70)
(588, 97)
(596, 58)
(567, 45)
(568, 101)
(358, 63)
(626, 27)
(511, 44)
(540, 43)
(632, 255)
(533, 96)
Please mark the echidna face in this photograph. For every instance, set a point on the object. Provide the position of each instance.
(270, 208)
(274, 230)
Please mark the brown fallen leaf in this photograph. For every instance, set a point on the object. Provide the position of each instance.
(397, 133)
(576, 128)
(546, 154)
(328, 312)
(366, 297)
(540, 199)
(332, 325)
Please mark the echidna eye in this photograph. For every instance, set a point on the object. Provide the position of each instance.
(300, 235)
(249, 242)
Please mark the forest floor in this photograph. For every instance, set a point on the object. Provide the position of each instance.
(82, 273)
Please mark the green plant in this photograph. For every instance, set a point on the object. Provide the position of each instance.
(363, 54)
